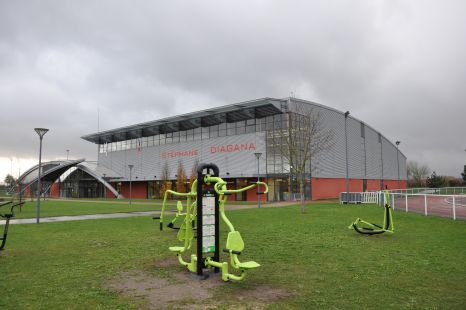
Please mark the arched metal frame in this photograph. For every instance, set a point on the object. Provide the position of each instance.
(61, 167)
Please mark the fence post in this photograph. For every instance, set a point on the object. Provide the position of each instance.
(393, 199)
(406, 201)
(454, 208)
(425, 204)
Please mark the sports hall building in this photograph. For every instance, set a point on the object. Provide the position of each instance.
(229, 136)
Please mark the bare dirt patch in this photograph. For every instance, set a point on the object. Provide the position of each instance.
(171, 261)
(183, 290)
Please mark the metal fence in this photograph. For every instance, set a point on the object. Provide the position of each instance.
(427, 190)
(452, 206)
(361, 197)
(428, 201)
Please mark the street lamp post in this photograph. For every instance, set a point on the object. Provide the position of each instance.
(130, 168)
(398, 161)
(41, 132)
(381, 163)
(346, 152)
(258, 155)
(67, 153)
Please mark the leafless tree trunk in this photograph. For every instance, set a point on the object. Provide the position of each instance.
(165, 179)
(305, 137)
(193, 175)
(181, 178)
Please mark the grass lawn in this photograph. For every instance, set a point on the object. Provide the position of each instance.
(80, 207)
(52, 207)
(65, 265)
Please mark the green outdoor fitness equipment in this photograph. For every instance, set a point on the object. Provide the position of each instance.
(8, 216)
(205, 205)
(367, 228)
(179, 214)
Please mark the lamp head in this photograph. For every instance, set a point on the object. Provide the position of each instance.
(397, 142)
(258, 155)
(346, 114)
(41, 131)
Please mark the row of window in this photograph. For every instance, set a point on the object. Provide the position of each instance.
(200, 133)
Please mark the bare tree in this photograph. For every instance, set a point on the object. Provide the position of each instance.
(300, 141)
(463, 175)
(417, 173)
(193, 175)
(166, 184)
(180, 178)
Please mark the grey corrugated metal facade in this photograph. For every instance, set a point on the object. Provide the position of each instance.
(229, 136)
(235, 154)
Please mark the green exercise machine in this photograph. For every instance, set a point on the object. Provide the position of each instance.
(8, 215)
(205, 206)
(178, 215)
(366, 228)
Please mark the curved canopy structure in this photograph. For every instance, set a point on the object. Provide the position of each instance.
(94, 172)
(52, 170)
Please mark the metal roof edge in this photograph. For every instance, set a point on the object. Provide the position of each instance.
(186, 116)
(350, 116)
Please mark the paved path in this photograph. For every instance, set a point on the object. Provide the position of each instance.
(84, 217)
(130, 214)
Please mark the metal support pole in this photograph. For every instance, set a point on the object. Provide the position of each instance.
(39, 185)
(346, 151)
(425, 204)
(41, 132)
(398, 161)
(381, 161)
(130, 189)
(406, 201)
(454, 208)
(258, 196)
(258, 155)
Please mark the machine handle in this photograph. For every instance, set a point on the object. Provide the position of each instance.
(232, 251)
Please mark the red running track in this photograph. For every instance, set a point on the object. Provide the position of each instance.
(436, 205)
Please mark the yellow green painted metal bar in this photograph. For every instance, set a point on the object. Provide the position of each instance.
(189, 216)
(370, 228)
(190, 195)
(220, 186)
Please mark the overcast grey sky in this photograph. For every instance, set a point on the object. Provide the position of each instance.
(399, 66)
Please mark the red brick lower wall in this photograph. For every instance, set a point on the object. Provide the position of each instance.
(55, 190)
(251, 195)
(393, 184)
(108, 193)
(331, 188)
(322, 188)
(27, 192)
(138, 189)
